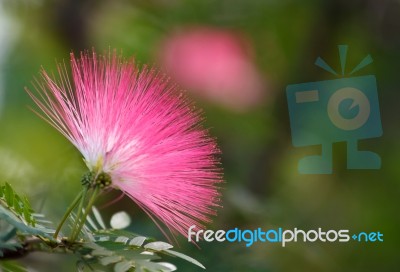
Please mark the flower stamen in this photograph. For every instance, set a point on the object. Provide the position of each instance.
(91, 180)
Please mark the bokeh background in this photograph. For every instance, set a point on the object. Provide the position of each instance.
(235, 58)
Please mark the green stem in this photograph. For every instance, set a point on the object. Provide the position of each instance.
(81, 221)
(79, 212)
(67, 213)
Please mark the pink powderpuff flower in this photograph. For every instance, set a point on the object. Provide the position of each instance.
(214, 64)
(131, 124)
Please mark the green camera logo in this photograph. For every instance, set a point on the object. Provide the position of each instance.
(343, 109)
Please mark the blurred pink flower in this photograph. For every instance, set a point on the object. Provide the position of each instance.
(214, 64)
(131, 125)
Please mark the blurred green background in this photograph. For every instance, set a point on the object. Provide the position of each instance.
(278, 43)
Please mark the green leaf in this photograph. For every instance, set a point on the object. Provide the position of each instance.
(98, 217)
(111, 245)
(9, 194)
(9, 246)
(8, 235)
(168, 266)
(80, 266)
(13, 220)
(91, 223)
(152, 266)
(185, 257)
(136, 255)
(109, 260)
(158, 246)
(137, 241)
(123, 266)
(27, 211)
(122, 239)
(113, 234)
(10, 266)
(101, 252)
(126, 250)
(18, 205)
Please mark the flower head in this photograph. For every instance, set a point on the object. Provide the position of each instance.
(214, 64)
(134, 131)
